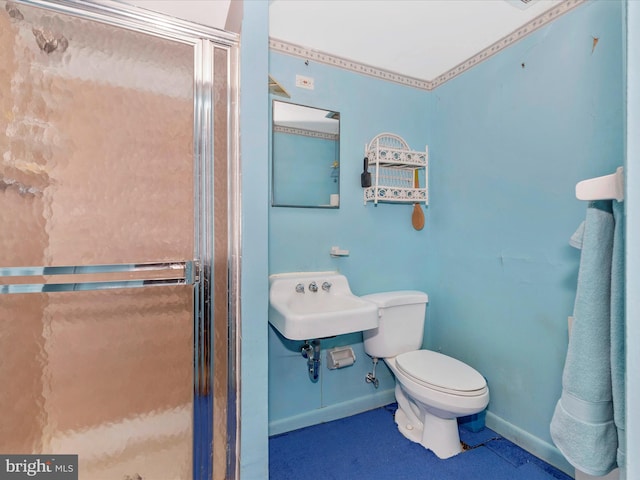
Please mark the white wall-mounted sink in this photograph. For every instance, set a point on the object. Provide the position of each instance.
(300, 313)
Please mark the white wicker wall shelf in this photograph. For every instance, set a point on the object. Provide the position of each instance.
(393, 168)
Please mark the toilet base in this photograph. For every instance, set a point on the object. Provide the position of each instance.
(440, 435)
(430, 417)
(408, 428)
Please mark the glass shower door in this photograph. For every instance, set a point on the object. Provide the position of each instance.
(98, 214)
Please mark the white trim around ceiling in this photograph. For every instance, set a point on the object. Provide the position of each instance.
(541, 20)
(341, 62)
(305, 132)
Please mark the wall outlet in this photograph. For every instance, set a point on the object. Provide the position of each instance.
(304, 82)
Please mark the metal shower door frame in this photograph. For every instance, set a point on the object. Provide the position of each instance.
(203, 40)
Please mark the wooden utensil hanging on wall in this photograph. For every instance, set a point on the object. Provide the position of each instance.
(417, 217)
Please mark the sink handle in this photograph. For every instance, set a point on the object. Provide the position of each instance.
(326, 286)
(313, 287)
(299, 288)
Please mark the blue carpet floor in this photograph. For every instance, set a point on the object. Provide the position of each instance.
(368, 446)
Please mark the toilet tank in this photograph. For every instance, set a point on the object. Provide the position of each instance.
(400, 323)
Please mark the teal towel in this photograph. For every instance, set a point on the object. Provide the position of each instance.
(618, 352)
(583, 426)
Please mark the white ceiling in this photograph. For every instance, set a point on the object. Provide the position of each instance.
(422, 39)
(221, 14)
(192, 10)
(308, 118)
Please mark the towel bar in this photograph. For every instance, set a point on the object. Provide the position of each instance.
(608, 187)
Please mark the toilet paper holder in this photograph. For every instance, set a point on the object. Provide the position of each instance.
(340, 357)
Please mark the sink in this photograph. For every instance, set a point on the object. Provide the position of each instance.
(306, 315)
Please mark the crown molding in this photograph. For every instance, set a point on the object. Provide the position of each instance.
(538, 22)
(344, 63)
(305, 133)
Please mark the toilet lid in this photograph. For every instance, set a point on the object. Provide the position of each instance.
(441, 372)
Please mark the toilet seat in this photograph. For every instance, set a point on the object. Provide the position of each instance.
(442, 373)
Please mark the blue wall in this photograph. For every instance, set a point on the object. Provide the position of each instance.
(304, 173)
(508, 141)
(254, 144)
(385, 252)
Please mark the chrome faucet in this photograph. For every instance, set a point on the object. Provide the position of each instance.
(313, 287)
(326, 286)
(299, 288)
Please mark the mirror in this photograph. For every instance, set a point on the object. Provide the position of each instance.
(305, 156)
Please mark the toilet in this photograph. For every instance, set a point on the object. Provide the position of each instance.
(432, 389)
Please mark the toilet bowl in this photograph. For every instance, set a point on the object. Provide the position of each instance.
(432, 389)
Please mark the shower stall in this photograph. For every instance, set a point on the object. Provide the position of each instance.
(119, 240)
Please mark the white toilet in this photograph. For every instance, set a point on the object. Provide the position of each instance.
(432, 389)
